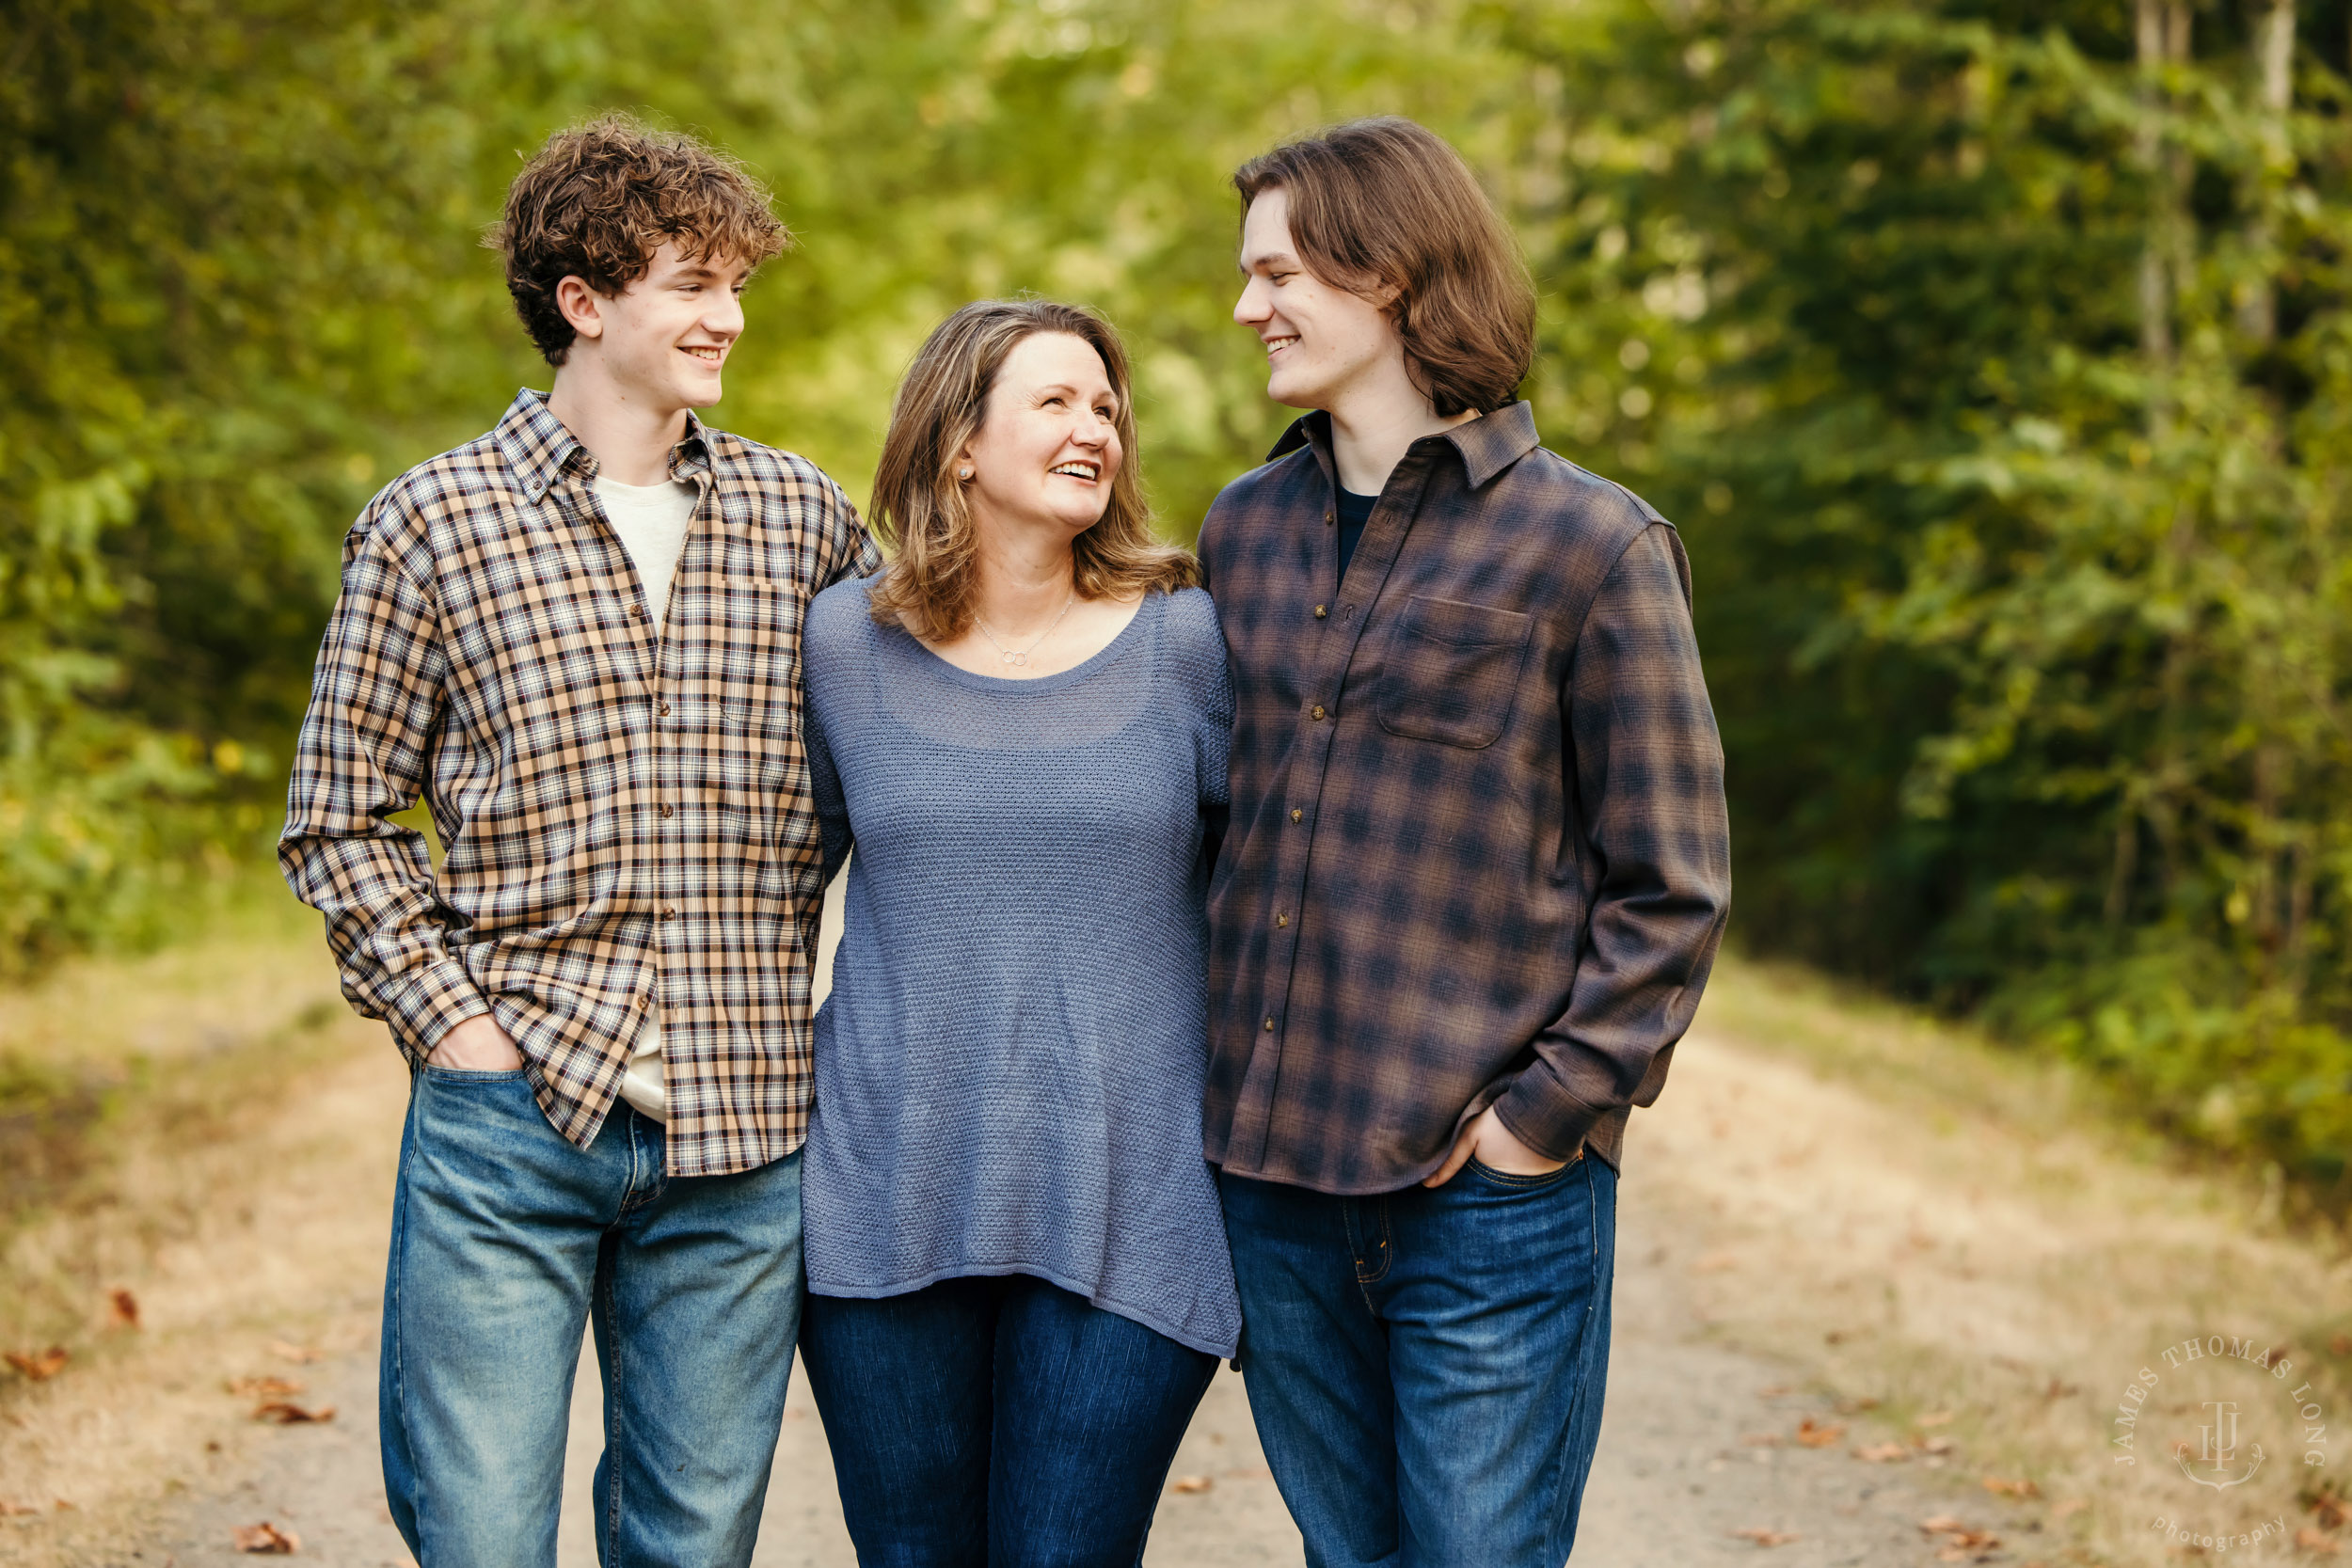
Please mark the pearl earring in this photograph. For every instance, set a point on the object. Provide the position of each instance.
(965, 474)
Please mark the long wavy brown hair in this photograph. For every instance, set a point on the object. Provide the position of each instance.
(921, 512)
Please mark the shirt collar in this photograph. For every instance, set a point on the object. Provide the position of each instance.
(538, 446)
(1488, 445)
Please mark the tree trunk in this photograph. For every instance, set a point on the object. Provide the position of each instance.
(2274, 71)
(2156, 301)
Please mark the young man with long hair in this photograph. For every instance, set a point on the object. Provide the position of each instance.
(577, 640)
(1475, 876)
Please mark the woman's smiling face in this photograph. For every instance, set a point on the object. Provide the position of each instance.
(1048, 449)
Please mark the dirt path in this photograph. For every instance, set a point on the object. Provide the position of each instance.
(1673, 1483)
(1868, 1273)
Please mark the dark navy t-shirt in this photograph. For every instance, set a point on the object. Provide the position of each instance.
(1355, 512)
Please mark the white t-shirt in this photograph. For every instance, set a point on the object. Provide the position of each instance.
(652, 521)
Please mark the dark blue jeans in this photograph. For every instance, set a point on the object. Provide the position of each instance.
(507, 1241)
(997, 1423)
(1427, 1367)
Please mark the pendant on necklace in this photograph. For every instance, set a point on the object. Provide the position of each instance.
(1016, 658)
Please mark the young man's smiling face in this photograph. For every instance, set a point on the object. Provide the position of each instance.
(1321, 340)
(663, 341)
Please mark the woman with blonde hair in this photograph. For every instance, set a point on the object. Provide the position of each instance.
(1017, 1278)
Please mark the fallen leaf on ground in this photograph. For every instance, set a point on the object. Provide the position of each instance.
(2067, 1508)
(2328, 1507)
(263, 1387)
(2058, 1390)
(2018, 1488)
(1934, 1444)
(287, 1414)
(38, 1365)
(65, 1507)
(2340, 1344)
(1934, 1419)
(1818, 1435)
(1193, 1484)
(266, 1537)
(1763, 1537)
(1883, 1453)
(122, 1309)
(1855, 1407)
(1959, 1539)
(10, 1510)
(2310, 1540)
(295, 1354)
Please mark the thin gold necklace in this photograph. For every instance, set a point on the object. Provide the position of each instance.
(1021, 656)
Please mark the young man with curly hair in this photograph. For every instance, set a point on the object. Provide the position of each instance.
(1475, 876)
(577, 640)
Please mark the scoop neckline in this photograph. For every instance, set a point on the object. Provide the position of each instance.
(962, 676)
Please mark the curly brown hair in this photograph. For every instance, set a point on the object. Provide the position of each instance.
(600, 198)
(1384, 207)
(920, 511)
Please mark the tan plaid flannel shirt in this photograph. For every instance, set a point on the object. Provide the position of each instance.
(625, 810)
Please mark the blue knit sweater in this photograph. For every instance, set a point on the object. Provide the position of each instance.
(1009, 1067)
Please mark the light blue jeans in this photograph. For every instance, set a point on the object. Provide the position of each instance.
(1427, 1367)
(506, 1242)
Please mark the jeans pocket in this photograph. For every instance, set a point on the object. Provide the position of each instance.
(455, 1076)
(1511, 1181)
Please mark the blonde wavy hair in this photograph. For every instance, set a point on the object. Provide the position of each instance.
(921, 513)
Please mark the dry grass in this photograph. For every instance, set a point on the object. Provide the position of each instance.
(223, 1155)
(1920, 1219)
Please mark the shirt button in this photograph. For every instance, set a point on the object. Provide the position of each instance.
(638, 610)
(1318, 711)
(669, 912)
(662, 709)
(1328, 519)
(1281, 920)
(1297, 815)
(1321, 612)
(667, 813)
(1269, 1026)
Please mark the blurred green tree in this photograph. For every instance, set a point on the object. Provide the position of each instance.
(1993, 357)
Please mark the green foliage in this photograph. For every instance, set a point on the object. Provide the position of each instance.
(1997, 378)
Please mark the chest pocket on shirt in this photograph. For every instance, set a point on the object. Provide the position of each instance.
(1451, 672)
(758, 684)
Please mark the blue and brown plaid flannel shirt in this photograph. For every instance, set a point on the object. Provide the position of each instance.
(625, 810)
(1478, 852)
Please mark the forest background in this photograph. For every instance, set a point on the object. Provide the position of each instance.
(1993, 357)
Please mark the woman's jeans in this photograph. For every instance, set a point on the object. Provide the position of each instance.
(997, 1423)
(507, 1241)
(1427, 1367)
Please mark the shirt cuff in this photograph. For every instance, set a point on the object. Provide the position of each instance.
(436, 999)
(1543, 1116)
